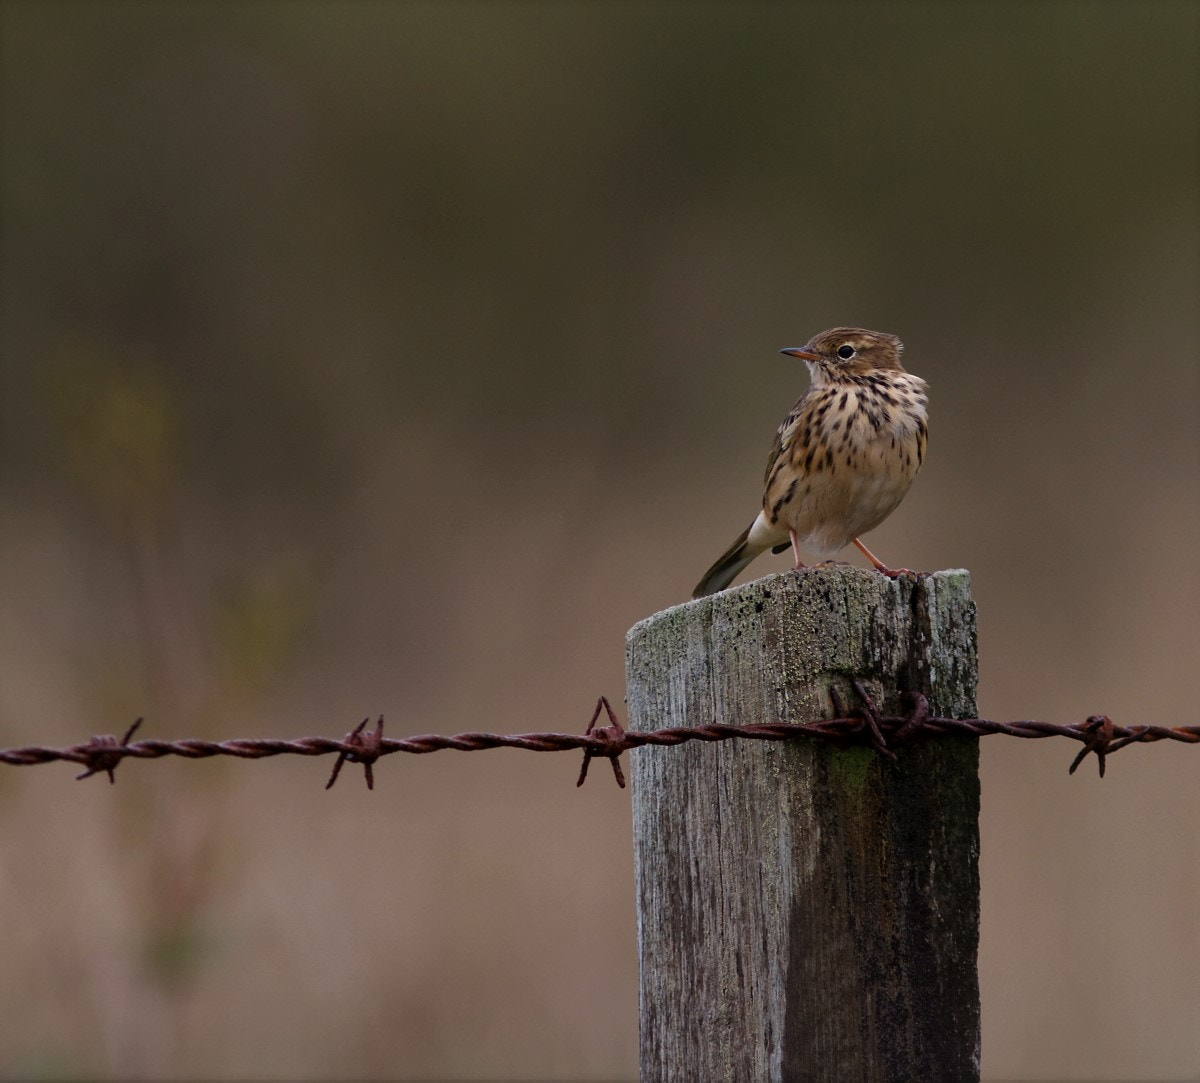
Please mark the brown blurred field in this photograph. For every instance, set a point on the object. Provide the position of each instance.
(396, 358)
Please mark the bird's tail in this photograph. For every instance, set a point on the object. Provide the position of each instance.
(755, 539)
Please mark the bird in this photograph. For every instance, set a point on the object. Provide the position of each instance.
(843, 458)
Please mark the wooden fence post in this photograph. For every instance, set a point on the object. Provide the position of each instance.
(807, 911)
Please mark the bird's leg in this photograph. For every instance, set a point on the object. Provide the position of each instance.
(795, 549)
(891, 573)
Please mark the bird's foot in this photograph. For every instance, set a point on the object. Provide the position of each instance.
(896, 573)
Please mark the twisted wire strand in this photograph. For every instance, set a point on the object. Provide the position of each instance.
(1099, 735)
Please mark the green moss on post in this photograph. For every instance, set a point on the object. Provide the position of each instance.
(807, 911)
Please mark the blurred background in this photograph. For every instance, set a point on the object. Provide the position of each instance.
(368, 358)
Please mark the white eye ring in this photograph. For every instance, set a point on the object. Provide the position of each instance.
(846, 351)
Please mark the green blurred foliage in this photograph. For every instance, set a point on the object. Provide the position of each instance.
(260, 619)
(117, 429)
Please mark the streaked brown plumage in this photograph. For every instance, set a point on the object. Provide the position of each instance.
(843, 458)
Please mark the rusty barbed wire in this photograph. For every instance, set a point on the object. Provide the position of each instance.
(865, 724)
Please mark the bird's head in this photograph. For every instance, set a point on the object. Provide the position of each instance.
(849, 351)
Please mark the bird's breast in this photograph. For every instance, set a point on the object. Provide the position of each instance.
(847, 458)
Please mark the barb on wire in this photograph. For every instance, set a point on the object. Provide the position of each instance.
(1098, 739)
(366, 748)
(614, 733)
(864, 724)
(104, 754)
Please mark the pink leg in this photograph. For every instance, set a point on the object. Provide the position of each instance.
(891, 573)
(795, 549)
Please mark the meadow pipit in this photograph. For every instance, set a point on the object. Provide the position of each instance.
(843, 458)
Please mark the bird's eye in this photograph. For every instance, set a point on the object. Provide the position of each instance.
(846, 352)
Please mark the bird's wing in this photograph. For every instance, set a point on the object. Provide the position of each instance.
(784, 437)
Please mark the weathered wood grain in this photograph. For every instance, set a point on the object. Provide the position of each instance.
(807, 911)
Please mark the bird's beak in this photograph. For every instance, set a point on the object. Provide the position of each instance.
(803, 352)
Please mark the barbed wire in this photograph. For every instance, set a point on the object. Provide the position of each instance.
(865, 724)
